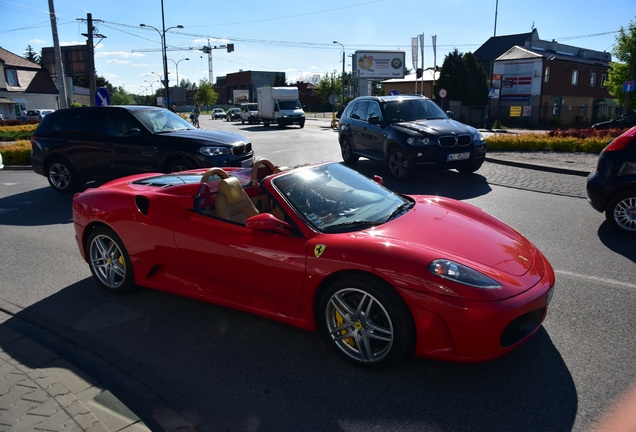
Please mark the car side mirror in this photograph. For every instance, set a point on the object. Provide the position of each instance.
(374, 120)
(450, 114)
(379, 180)
(268, 222)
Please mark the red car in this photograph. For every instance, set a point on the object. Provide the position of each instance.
(323, 248)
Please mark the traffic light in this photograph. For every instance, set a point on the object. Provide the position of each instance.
(419, 72)
(230, 47)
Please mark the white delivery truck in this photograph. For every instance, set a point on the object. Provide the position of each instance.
(279, 105)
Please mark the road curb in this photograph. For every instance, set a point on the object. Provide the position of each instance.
(538, 167)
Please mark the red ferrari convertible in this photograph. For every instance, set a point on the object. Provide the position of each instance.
(323, 248)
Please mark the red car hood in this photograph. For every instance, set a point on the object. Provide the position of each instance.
(457, 229)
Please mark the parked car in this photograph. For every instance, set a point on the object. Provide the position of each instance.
(626, 121)
(74, 145)
(408, 133)
(612, 187)
(233, 114)
(249, 113)
(38, 114)
(218, 113)
(380, 275)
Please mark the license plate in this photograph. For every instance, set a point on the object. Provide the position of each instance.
(458, 156)
(247, 162)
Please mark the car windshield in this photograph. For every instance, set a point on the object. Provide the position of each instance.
(289, 104)
(333, 198)
(162, 121)
(405, 110)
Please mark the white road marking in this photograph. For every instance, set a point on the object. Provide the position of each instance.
(597, 279)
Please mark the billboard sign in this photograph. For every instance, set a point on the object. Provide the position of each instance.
(241, 96)
(379, 64)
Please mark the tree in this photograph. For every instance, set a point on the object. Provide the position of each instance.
(206, 94)
(31, 55)
(119, 96)
(476, 91)
(280, 80)
(329, 84)
(187, 84)
(464, 78)
(623, 69)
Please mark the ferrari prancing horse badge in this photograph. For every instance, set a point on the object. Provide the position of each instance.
(319, 249)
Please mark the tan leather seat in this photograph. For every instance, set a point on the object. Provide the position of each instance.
(232, 203)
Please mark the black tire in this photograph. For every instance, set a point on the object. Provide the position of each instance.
(399, 164)
(62, 176)
(242, 121)
(181, 164)
(383, 326)
(620, 212)
(346, 150)
(109, 261)
(469, 169)
(301, 124)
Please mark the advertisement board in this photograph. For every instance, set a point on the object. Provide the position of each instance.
(379, 64)
(241, 96)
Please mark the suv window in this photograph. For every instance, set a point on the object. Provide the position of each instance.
(360, 111)
(76, 121)
(118, 123)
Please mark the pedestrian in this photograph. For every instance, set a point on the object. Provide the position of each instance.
(197, 112)
(23, 115)
(340, 111)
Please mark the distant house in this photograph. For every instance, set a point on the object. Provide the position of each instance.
(24, 84)
(410, 84)
(553, 84)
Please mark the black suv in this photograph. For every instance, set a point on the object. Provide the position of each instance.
(612, 187)
(408, 132)
(74, 145)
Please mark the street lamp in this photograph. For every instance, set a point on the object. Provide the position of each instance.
(162, 34)
(152, 90)
(343, 71)
(176, 65)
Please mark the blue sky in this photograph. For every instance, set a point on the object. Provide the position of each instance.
(295, 37)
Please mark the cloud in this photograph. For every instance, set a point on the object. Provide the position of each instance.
(123, 54)
(118, 61)
(37, 41)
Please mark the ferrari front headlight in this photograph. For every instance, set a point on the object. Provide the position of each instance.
(462, 274)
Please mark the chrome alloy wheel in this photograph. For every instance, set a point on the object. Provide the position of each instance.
(107, 261)
(59, 176)
(359, 325)
(625, 214)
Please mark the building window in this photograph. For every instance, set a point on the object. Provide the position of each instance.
(593, 79)
(556, 106)
(12, 77)
(546, 74)
(603, 79)
(583, 110)
(575, 77)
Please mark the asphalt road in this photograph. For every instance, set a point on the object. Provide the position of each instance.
(204, 367)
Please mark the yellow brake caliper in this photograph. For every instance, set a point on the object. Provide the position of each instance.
(340, 321)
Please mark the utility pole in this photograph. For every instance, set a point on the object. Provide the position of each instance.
(91, 58)
(61, 84)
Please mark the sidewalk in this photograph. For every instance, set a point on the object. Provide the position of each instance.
(39, 390)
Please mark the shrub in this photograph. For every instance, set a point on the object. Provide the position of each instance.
(17, 132)
(18, 153)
